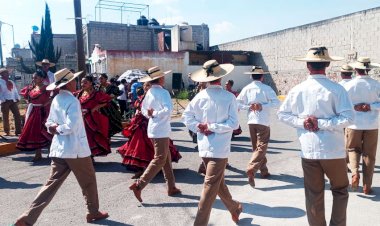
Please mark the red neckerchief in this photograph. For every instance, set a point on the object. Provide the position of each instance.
(9, 85)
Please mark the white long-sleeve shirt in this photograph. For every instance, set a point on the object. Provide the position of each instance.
(258, 92)
(326, 100)
(364, 89)
(217, 108)
(71, 142)
(344, 81)
(5, 94)
(158, 99)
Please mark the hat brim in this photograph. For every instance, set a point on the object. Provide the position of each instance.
(348, 71)
(360, 66)
(3, 70)
(53, 86)
(329, 59)
(148, 78)
(39, 63)
(201, 74)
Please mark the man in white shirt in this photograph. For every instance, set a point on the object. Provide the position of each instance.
(362, 135)
(258, 98)
(212, 114)
(45, 64)
(9, 99)
(157, 106)
(69, 151)
(346, 74)
(122, 99)
(320, 108)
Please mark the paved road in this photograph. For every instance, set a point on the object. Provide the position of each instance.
(278, 201)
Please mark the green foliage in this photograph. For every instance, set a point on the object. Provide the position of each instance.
(183, 95)
(44, 48)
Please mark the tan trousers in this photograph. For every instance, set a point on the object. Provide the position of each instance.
(362, 143)
(84, 172)
(13, 107)
(162, 160)
(314, 181)
(214, 185)
(260, 135)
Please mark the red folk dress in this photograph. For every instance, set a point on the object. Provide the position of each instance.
(34, 134)
(138, 151)
(96, 124)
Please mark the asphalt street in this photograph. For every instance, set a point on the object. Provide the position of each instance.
(275, 201)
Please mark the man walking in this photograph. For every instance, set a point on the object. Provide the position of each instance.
(346, 74)
(212, 114)
(45, 65)
(257, 98)
(9, 99)
(361, 136)
(122, 99)
(69, 151)
(157, 106)
(320, 108)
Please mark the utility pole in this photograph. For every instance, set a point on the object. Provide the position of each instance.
(1, 50)
(79, 32)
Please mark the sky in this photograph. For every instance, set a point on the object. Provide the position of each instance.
(227, 20)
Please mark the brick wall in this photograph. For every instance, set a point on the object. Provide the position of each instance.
(349, 36)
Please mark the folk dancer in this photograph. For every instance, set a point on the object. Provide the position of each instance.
(258, 98)
(157, 106)
(212, 114)
(320, 108)
(361, 136)
(69, 151)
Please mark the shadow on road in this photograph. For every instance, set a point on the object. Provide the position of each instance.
(110, 222)
(108, 166)
(4, 184)
(374, 196)
(293, 182)
(257, 209)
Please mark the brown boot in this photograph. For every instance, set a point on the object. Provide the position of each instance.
(235, 216)
(355, 182)
(367, 189)
(20, 222)
(96, 216)
(174, 191)
(135, 187)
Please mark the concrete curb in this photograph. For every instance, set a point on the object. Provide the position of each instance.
(7, 148)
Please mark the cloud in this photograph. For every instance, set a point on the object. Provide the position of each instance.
(222, 27)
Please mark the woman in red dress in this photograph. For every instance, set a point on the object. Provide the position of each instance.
(138, 151)
(34, 135)
(96, 123)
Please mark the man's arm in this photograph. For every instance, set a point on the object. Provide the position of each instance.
(71, 123)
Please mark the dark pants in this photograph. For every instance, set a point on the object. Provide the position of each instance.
(314, 171)
(13, 107)
(123, 106)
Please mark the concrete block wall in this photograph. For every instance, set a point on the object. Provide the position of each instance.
(112, 36)
(349, 36)
(201, 35)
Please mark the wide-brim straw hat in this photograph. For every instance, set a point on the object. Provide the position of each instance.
(364, 63)
(256, 70)
(346, 68)
(211, 71)
(45, 61)
(61, 78)
(318, 54)
(153, 73)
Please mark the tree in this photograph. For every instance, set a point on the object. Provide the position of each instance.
(44, 47)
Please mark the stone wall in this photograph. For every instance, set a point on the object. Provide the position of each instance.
(349, 36)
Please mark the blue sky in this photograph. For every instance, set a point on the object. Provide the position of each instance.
(227, 20)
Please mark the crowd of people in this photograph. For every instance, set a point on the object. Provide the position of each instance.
(337, 126)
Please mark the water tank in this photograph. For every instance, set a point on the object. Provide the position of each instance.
(154, 22)
(143, 21)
